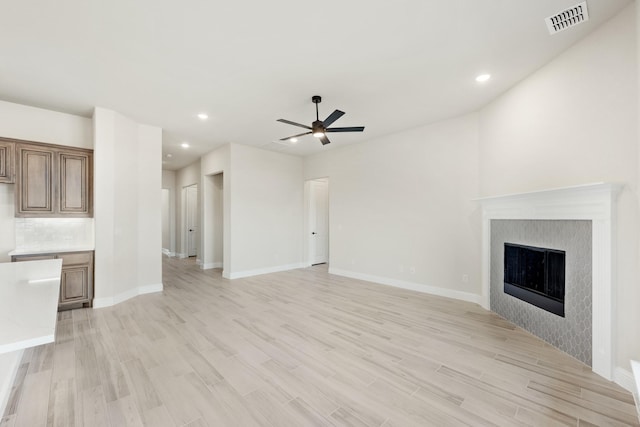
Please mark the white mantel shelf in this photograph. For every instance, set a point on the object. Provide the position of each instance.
(595, 202)
(28, 303)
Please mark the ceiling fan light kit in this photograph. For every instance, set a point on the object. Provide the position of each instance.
(319, 128)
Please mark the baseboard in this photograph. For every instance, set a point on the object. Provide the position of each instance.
(630, 381)
(168, 253)
(624, 379)
(117, 299)
(209, 265)
(181, 256)
(635, 367)
(433, 290)
(256, 272)
(9, 365)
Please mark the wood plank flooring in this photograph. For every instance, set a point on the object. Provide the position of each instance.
(301, 348)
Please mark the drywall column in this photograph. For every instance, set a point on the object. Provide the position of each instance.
(214, 163)
(127, 207)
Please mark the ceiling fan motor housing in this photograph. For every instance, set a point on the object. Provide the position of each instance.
(317, 126)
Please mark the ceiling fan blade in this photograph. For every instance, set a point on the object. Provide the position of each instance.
(347, 129)
(324, 140)
(295, 136)
(332, 118)
(289, 122)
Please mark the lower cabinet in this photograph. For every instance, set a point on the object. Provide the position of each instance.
(76, 281)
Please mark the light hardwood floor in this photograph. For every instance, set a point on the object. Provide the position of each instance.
(301, 348)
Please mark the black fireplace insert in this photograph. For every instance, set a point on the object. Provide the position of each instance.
(535, 275)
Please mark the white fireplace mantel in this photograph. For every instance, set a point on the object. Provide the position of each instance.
(595, 202)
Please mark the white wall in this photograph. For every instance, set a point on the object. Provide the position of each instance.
(127, 208)
(574, 122)
(266, 211)
(39, 125)
(185, 177)
(400, 208)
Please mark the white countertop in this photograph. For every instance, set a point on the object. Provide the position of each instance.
(28, 303)
(56, 250)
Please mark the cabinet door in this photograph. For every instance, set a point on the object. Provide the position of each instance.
(35, 181)
(7, 161)
(75, 187)
(74, 284)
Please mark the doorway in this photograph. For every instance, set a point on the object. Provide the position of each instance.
(191, 220)
(213, 221)
(167, 247)
(317, 230)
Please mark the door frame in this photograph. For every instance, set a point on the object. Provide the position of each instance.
(185, 221)
(307, 239)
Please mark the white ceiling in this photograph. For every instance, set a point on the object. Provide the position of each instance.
(390, 65)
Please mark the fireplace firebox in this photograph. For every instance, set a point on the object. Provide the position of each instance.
(535, 275)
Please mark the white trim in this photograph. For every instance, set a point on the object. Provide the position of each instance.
(117, 299)
(8, 376)
(635, 378)
(168, 253)
(624, 379)
(419, 287)
(595, 202)
(266, 270)
(210, 265)
(180, 255)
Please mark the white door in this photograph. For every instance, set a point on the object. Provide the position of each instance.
(191, 215)
(319, 222)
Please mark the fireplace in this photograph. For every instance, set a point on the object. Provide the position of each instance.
(535, 275)
(519, 264)
(592, 202)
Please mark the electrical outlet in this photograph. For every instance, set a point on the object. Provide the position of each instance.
(465, 278)
(412, 270)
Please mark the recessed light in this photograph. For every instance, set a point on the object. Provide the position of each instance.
(184, 145)
(483, 78)
(294, 140)
(203, 116)
(169, 155)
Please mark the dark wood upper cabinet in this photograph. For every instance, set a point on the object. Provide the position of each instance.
(35, 181)
(75, 183)
(7, 161)
(53, 181)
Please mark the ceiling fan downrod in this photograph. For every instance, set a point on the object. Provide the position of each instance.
(316, 99)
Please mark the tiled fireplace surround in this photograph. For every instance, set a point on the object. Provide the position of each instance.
(591, 202)
(570, 333)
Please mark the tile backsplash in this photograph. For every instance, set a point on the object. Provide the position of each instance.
(54, 233)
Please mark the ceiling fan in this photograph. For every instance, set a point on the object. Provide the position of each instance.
(320, 128)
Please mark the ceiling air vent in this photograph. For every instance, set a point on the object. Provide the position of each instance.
(567, 18)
